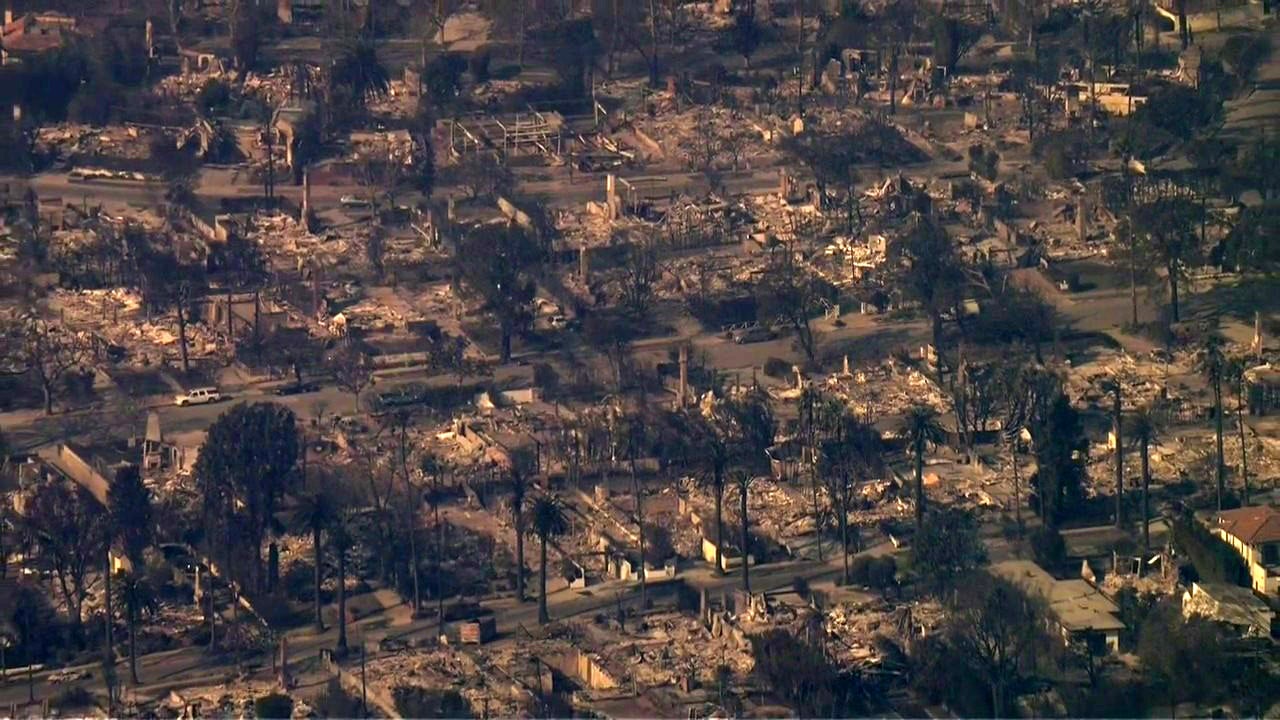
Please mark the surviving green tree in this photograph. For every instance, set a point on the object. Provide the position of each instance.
(500, 263)
(1060, 449)
(247, 462)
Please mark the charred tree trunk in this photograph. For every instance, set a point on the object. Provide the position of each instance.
(919, 453)
(519, 518)
(413, 557)
(318, 575)
(182, 338)
(1217, 428)
(719, 488)
(1244, 459)
(746, 536)
(1117, 429)
(639, 493)
(543, 616)
(133, 643)
(341, 647)
(1145, 449)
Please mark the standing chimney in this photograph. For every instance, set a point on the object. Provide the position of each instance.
(684, 376)
(1082, 209)
(584, 264)
(1257, 334)
(306, 199)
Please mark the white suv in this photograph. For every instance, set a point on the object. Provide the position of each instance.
(198, 396)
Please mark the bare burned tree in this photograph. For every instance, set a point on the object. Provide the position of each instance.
(998, 627)
(973, 400)
(351, 369)
(49, 352)
(639, 276)
(793, 295)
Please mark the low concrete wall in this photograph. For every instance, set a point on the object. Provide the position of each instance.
(1209, 21)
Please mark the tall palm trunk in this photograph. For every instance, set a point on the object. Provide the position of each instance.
(1133, 285)
(719, 488)
(746, 543)
(439, 568)
(919, 452)
(182, 336)
(318, 575)
(1117, 426)
(818, 524)
(893, 79)
(844, 527)
(543, 616)
(133, 641)
(519, 512)
(653, 36)
(1145, 448)
(342, 602)
(635, 488)
(1217, 422)
(1244, 460)
(106, 578)
(413, 558)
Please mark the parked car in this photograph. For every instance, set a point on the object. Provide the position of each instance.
(352, 201)
(68, 675)
(197, 396)
(753, 335)
(297, 388)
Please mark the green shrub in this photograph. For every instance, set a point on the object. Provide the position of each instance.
(274, 706)
(1048, 548)
(881, 571)
(776, 367)
(1213, 558)
(336, 703)
(860, 570)
(418, 702)
(479, 65)
(72, 698)
(214, 96)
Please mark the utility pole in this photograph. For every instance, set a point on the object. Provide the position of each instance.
(1116, 430)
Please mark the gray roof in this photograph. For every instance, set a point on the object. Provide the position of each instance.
(1076, 604)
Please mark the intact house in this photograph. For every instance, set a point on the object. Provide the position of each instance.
(1254, 533)
(1078, 611)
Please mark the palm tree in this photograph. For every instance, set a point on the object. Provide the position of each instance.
(315, 511)
(358, 69)
(716, 457)
(341, 541)
(724, 681)
(433, 468)
(1117, 425)
(519, 488)
(1235, 374)
(548, 522)
(854, 453)
(920, 427)
(1213, 365)
(754, 433)
(138, 599)
(1168, 230)
(1143, 432)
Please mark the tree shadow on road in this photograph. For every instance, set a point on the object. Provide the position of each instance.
(1238, 300)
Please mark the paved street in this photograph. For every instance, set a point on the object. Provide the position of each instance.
(194, 666)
